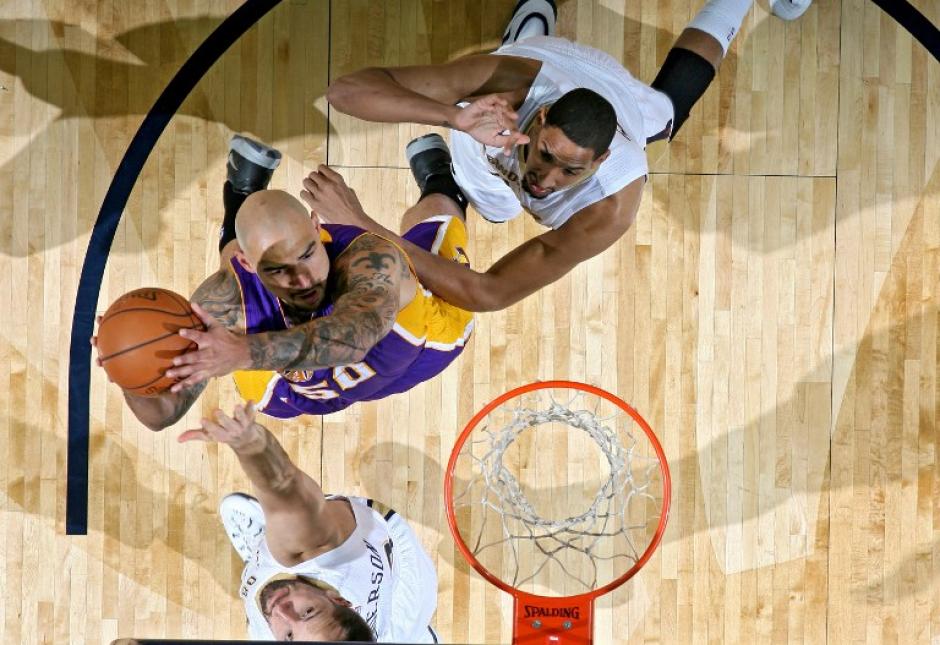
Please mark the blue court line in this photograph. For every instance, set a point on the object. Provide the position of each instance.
(102, 235)
(915, 22)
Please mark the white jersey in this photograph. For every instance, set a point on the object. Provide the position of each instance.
(381, 569)
(492, 180)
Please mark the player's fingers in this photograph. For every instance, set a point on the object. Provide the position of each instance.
(250, 411)
(195, 379)
(183, 381)
(329, 173)
(239, 414)
(194, 435)
(313, 203)
(313, 181)
(189, 358)
(204, 316)
(226, 421)
(198, 337)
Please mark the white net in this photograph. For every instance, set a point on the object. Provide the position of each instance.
(557, 492)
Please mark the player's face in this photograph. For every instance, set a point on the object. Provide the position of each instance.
(296, 271)
(299, 611)
(555, 162)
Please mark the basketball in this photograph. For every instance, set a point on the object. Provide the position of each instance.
(138, 338)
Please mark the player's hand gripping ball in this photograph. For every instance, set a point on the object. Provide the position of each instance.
(138, 338)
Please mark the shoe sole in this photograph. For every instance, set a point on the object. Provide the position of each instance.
(255, 152)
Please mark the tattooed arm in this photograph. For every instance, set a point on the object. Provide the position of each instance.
(371, 278)
(220, 296)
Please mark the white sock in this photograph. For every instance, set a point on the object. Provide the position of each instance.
(721, 19)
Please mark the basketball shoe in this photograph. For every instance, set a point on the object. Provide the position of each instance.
(531, 18)
(429, 159)
(250, 164)
(789, 9)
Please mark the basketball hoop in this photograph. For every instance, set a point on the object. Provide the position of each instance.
(532, 509)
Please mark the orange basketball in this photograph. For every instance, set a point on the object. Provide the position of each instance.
(138, 339)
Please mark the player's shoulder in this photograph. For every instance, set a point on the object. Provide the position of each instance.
(220, 295)
(613, 214)
(371, 251)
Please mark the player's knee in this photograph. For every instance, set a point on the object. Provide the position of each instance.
(684, 77)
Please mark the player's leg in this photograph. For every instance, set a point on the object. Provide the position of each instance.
(467, 178)
(693, 60)
(430, 164)
(248, 170)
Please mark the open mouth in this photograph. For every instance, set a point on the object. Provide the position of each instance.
(308, 295)
(534, 189)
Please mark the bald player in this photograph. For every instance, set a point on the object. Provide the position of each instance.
(311, 318)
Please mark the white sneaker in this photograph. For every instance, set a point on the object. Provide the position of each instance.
(244, 522)
(789, 9)
(531, 18)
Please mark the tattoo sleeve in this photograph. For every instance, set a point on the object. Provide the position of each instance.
(159, 412)
(220, 295)
(368, 284)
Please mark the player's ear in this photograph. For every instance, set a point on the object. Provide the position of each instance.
(242, 259)
(597, 162)
(542, 115)
(337, 599)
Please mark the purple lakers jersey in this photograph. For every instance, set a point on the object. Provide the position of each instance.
(427, 335)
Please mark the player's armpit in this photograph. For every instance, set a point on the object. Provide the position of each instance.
(220, 295)
(370, 277)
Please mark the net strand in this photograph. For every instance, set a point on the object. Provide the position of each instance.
(631, 481)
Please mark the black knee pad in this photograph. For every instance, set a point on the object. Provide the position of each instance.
(684, 77)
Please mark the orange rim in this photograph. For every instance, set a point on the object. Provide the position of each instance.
(544, 385)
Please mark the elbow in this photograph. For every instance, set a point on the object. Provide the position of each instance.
(337, 92)
(342, 93)
(158, 426)
(285, 484)
(484, 294)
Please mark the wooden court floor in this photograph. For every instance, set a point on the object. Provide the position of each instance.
(773, 313)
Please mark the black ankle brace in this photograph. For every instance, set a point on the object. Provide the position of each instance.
(444, 184)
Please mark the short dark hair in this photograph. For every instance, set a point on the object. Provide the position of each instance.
(353, 625)
(586, 117)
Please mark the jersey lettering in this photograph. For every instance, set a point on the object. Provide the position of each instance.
(349, 376)
(318, 391)
(345, 376)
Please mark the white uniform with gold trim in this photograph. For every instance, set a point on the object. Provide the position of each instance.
(492, 180)
(382, 569)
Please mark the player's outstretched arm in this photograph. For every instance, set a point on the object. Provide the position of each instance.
(371, 276)
(521, 272)
(428, 94)
(299, 523)
(220, 297)
(539, 261)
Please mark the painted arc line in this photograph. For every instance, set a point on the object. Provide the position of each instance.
(102, 235)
